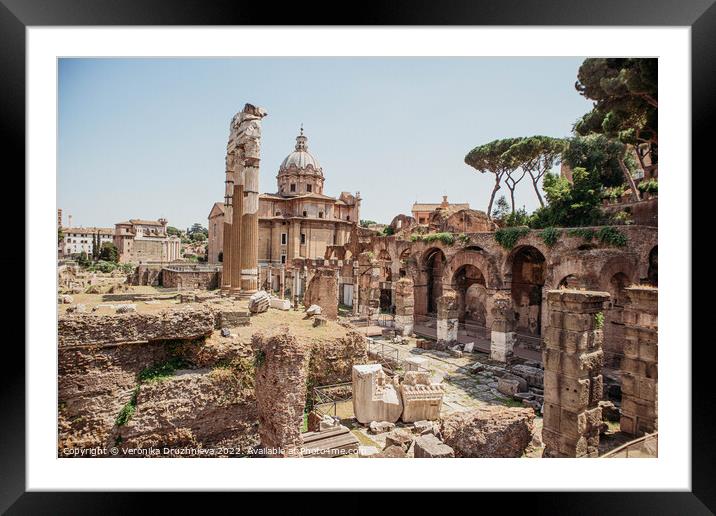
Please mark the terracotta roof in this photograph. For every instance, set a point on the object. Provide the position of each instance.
(94, 230)
(433, 207)
(146, 222)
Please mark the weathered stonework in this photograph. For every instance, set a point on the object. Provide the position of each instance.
(447, 324)
(281, 373)
(323, 291)
(422, 400)
(89, 329)
(375, 398)
(640, 363)
(502, 335)
(573, 383)
(404, 305)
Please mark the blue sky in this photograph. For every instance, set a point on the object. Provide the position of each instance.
(146, 138)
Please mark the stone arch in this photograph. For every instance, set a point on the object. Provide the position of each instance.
(477, 259)
(433, 265)
(508, 264)
(625, 264)
(570, 281)
(468, 282)
(527, 274)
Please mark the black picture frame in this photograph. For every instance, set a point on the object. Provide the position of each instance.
(17, 15)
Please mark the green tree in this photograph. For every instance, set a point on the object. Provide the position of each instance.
(625, 95)
(599, 155)
(108, 252)
(172, 231)
(365, 222)
(570, 204)
(82, 259)
(535, 155)
(501, 208)
(198, 237)
(490, 158)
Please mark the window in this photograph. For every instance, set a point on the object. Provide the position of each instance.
(284, 238)
(348, 217)
(320, 214)
(278, 213)
(303, 238)
(305, 213)
(293, 187)
(309, 188)
(283, 258)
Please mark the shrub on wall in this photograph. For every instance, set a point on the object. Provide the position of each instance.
(508, 237)
(550, 236)
(611, 236)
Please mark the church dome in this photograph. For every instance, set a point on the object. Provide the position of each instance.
(300, 158)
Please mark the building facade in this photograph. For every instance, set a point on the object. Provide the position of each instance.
(141, 241)
(299, 220)
(77, 240)
(421, 211)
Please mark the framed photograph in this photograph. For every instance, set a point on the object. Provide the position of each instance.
(431, 234)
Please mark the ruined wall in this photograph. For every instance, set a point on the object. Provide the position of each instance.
(189, 280)
(323, 291)
(573, 383)
(331, 361)
(204, 398)
(640, 365)
(88, 329)
(281, 373)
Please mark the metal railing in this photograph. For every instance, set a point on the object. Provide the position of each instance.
(646, 446)
(324, 399)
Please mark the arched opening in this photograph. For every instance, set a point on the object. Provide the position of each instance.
(386, 278)
(570, 281)
(434, 266)
(653, 273)
(469, 284)
(617, 284)
(403, 262)
(528, 268)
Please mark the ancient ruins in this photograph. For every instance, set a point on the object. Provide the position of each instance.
(437, 337)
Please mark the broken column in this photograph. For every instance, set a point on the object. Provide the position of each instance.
(375, 397)
(404, 303)
(640, 362)
(281, 371)
(447, 319)
(502, 335)
(573, 358)
(236, 242)
(322, 290)
(249, 140)
(228, 198)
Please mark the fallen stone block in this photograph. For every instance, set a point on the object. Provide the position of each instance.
(415, 363)
(313, 310)
(125, 309)
(67, 299)
(259, 302)
(424, 427)
(430, 447)
(380, 427)
(280, 304)
(399, 437)
(375, 398)
(391, 452)
(319, 321)
(490, 431)
(469, 347)
(508, 387)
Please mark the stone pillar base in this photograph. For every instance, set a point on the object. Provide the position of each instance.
(502, 345)
(404, 324)
(447, 331)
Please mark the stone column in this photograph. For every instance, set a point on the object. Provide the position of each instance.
(447, 319)
(640, 362)
(282, 286)
(573, 358)
(226, 257)
(502, 330)
(249, 142)
(404, 302)
(236, 238)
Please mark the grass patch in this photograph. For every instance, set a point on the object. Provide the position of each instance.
(510, 402)
(445, 238)
(126, 413)
(161, 370)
